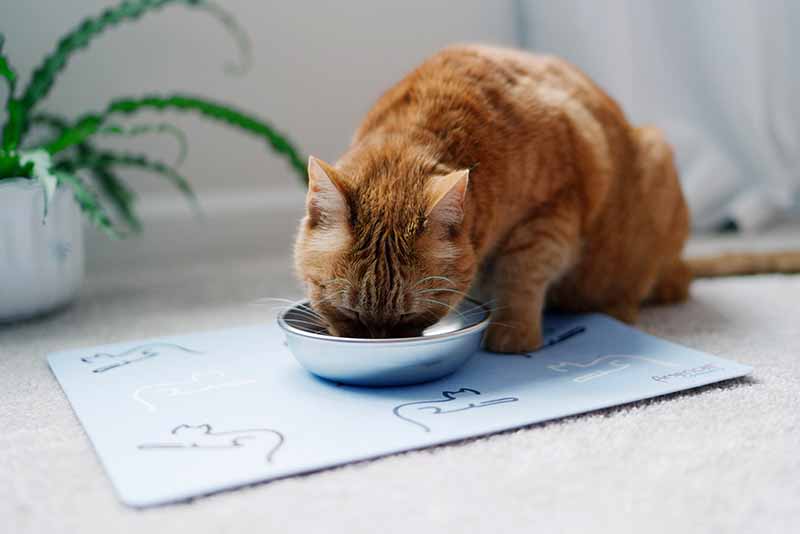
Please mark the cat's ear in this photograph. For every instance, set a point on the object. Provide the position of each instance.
(446, 196)
(327, 193)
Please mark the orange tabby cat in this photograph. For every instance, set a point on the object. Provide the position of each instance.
(500, 171)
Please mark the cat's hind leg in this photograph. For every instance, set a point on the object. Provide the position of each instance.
(535, 253)
(670, 216)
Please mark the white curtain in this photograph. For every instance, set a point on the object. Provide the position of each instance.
(721, 77)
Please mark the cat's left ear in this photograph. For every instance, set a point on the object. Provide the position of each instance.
(446, 196)
(327, 192)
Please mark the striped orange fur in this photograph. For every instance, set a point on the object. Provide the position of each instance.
(500, 172)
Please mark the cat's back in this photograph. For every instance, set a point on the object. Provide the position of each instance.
(491, 85)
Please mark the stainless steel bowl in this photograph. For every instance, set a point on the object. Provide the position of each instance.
(442, 348)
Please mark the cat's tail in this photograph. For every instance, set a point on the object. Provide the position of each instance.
(744, 263)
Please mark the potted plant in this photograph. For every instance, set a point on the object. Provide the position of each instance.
(45, 185)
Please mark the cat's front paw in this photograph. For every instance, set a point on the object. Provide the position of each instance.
(512, 339)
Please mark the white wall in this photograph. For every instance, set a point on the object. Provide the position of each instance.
(317, 68)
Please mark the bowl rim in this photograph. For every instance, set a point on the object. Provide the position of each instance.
(481, 325)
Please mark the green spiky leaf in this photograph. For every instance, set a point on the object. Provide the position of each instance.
(99, 164)
(80, 37)
(51, 120)
(89, 203)
(89, 124)
(145, 129)
(118, 193)
(220, 112)
(60, 125)
(108, 158)
(236, 31)
(12, 167)
(13, 107)
(112, 187)
(75, 134)
(6, 71)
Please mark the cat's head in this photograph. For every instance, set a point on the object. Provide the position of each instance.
(383, 257)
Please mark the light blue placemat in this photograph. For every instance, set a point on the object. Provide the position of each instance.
(183, 416)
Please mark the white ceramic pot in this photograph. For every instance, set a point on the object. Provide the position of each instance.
(41, 259)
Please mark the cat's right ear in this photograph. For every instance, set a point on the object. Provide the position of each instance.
(446, 195)
(327, 193)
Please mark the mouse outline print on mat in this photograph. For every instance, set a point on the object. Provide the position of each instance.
(198, 383)
(434, 406)
(203, 437)
(132, 355)
(616, 363)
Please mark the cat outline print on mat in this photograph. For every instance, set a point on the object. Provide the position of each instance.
(109, 361)
(201, 382)
(412, 412)
(615, 363)
(203, 436)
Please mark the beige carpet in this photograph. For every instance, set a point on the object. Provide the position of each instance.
(722, 459)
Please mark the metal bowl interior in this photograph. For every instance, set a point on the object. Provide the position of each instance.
(468, 315)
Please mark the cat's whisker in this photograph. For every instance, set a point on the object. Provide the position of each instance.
(488, 308)
(446, 305)
(480, 312)
(264, 300)
(433, 315)
(505, 325)
(299, 308)
(476, 312)
(310, 319)
(334, 280)
(296, 306)
(310, 323)
(435, 277)
(303, 318)
(330, 298)
(483, 307)
(440, 289)
(308, 314)
(308, 307)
